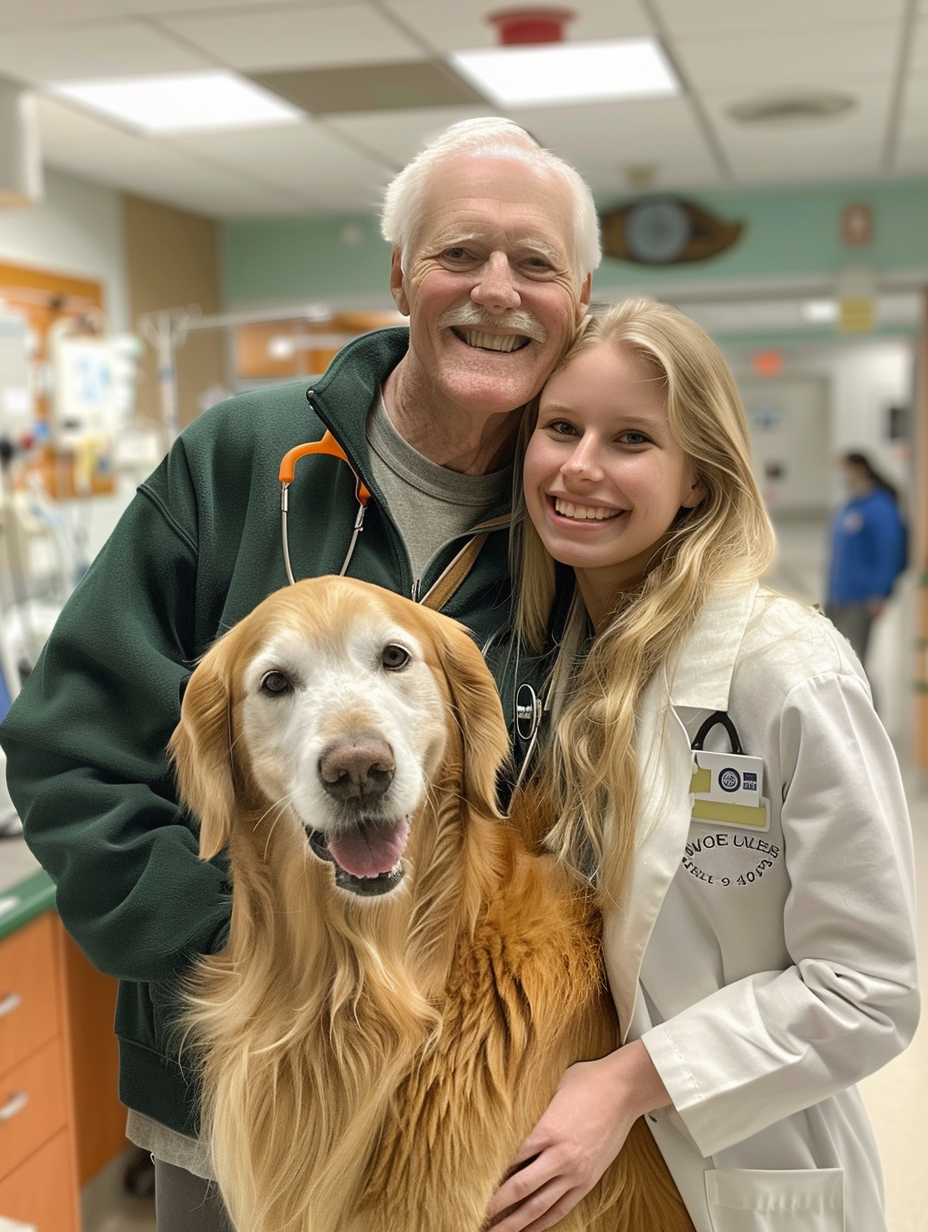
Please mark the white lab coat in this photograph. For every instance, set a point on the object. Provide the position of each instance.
(762, 1002)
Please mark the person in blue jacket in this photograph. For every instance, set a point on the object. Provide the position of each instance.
(868, 552)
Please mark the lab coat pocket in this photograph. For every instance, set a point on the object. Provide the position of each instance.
(750, 1200)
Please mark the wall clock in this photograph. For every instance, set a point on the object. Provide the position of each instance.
(665, 230)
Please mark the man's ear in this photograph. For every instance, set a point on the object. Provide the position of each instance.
(397, 283)
(583, 302)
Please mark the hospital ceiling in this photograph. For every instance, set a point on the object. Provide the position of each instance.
(730, 55)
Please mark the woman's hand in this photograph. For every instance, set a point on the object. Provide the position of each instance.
(577, 1138)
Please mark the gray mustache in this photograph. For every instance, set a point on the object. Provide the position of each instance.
(473, 315)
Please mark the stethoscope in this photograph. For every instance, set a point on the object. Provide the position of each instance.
(718, 718)
(530, 708)
(328, 445)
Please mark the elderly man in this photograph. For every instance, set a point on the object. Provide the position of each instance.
(494, 243)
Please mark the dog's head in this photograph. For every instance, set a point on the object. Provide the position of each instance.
(332, 707)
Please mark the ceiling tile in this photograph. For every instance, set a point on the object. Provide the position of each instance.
(624, 128)
(16, 14)
(309, 37)
(92, 149)
(777, 61)
(400, 135)
(854, 160)
(372, 87)
(100, 50)
(179, 9)
(290, 156)
(918, 61)
(609, 142)
(454, 27)
(730, 16)
(866, 120)
(911, 153)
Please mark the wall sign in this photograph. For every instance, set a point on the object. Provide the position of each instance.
(665, 230)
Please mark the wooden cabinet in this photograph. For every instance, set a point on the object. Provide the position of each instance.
(38, 1169)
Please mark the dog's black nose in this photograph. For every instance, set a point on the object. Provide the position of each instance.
(357, 768)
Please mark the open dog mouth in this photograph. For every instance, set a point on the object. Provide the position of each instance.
(491, 342)
(368, 858)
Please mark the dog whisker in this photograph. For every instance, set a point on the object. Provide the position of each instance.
(279, 808)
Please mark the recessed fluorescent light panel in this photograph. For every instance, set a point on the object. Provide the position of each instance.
(568, 72)
(181, 102)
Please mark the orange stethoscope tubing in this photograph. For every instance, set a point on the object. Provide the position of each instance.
(328, 445)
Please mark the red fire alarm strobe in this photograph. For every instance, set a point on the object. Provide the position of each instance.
(526, 26)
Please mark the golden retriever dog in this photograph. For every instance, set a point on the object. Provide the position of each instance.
(405, 981)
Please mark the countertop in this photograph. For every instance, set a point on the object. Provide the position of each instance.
(25, 890)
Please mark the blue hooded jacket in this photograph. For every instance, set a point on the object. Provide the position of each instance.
(868, 548)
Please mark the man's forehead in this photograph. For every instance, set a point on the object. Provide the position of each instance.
(468, 197)
(538, 235)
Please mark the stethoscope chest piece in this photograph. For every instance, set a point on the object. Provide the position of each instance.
(528, 712)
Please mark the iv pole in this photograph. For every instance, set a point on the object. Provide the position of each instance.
(168, 329)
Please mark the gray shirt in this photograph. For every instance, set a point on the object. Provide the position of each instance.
(429, 503)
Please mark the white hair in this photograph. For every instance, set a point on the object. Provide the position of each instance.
(489, 137)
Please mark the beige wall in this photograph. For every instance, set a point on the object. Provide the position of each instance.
(172, 261)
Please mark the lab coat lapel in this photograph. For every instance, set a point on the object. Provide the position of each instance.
(663, 822)
(700, 676)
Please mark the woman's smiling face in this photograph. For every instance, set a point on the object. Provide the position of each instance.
(604, 478)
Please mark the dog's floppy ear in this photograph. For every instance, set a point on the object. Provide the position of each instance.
(201, 749)
(479, 714)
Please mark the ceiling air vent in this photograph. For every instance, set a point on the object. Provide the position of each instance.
(806, 108)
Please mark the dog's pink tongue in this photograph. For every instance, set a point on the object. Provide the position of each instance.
(369, 850)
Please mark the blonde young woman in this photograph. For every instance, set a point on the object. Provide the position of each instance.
(757, 893)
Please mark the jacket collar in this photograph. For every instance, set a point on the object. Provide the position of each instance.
(342, 396)
(369, 359)
(701, 672)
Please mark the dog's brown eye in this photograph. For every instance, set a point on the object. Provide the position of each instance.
(275, 684)
(394, 657)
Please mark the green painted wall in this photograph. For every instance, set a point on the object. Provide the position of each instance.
(305, 259)
(788, 232)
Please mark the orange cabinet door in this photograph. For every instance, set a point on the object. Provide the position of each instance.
(29, 1012)
(41, 1190)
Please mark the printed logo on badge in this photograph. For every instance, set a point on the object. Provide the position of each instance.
(729, 779)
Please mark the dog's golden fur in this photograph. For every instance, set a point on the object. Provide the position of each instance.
(374, 1063)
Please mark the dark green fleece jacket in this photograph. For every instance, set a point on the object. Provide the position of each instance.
(196, 550)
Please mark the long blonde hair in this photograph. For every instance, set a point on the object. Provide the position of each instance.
(588, 770)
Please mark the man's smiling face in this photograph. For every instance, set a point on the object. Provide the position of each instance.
(488, 285)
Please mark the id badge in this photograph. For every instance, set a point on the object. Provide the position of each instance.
(728, 790)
